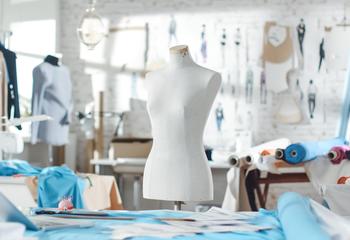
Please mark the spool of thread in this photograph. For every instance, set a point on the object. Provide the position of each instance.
(343, 180)
(65, 204)
(338, 154)
(279, 154)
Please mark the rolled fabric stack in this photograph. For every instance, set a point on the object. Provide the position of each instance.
(297, 218)
(238, 162)
(338, 153)
(305, 151)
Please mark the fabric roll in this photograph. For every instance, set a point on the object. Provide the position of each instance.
(338, 153)
(305, 151)
(280, 154)
(297, 218)
(234, 161)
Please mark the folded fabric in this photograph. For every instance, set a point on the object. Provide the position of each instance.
(15, 167)
(297, 218)
(11, 231)
(55, 183)
(305, 151)
(338, 153)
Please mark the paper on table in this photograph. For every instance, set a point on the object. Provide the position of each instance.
(175, 229)
(216, 213)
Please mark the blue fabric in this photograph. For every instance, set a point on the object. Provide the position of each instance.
(297, 219)
(14, 167)
(306, 151)
(56, 183)
(101, 231)
(344, 120)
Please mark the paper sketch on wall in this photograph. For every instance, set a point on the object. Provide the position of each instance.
(289, 110)
(249, 81)
(203, 48)
(322, 54)
(249, 85)
(134, 81)
(301, 29)
(223, 47)
(172, 31)
(263, 88)
(219, 116)
(311, 98)
(277, 55)
(237, 41)
(337, 46)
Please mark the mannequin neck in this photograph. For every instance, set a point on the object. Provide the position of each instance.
(180, 57)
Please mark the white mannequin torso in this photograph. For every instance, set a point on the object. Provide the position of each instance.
(180, 97)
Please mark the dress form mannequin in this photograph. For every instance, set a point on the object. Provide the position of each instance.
(180, 97)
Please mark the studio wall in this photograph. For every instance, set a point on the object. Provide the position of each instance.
(248, 15)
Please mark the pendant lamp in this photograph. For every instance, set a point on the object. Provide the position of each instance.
(91, 29)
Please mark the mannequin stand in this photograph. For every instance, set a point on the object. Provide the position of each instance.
(177, 205)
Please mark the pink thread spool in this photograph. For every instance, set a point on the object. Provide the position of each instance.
(65, 204)
(338, 154)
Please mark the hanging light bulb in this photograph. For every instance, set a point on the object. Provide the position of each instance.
(91, 29)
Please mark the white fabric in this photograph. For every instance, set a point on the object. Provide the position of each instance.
(337, 227)
(232, 191)
(267, 163)
(52, 96)
(324, 176)
(11, 231)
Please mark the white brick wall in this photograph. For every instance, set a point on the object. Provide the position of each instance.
(244, 12)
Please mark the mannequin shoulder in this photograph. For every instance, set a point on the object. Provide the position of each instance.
(213, 78)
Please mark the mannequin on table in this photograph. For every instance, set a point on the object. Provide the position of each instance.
(180, 97)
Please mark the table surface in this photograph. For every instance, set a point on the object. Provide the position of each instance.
(101, 230)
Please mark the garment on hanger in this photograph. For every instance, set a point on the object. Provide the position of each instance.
(13, 109)
(52, 95)
(3, 86)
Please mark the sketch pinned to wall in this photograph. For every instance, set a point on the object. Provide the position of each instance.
(277, 55)
(249, 81)
(301, 29)
(322, 54)
(237, 41)
(337, 47)
(311, 96)
(249, 85)
(219, 116)
(299, 91)
(263, 88)
(203, 48)
(223, 47)
(289, 110)
(172, 31)
(134, 85)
